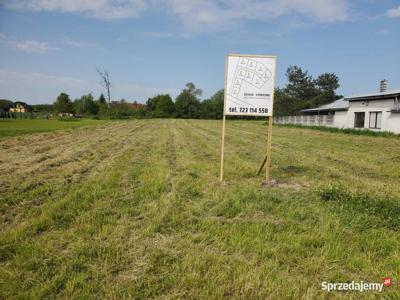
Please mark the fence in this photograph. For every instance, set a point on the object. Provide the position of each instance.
(25, 115)
(17, 115)
(309, 120)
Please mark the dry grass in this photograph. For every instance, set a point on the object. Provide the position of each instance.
(134, 210)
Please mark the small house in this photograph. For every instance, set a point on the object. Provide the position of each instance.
(378, 111)
(19, 107)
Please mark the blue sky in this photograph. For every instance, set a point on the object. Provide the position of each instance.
(156, 46)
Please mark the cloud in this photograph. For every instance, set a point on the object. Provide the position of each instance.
(195, 14)
(32, 46)
(157, 34)
(35, 46)
(36, 77)
(394, 12)
(28, 46)
(77, 43)
(102, 9)
(383, 32)
(35, 87)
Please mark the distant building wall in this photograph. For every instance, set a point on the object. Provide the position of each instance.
(393, 123)
(388, 120)
(341, 119)
(18, 109)
(307, 120)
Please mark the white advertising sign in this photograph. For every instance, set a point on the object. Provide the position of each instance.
(249, 85)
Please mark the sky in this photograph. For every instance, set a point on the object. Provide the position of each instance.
(156, 46)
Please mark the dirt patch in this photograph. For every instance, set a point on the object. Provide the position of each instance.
(272, 183)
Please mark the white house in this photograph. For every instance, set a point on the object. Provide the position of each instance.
(379, 111)
(375, 111)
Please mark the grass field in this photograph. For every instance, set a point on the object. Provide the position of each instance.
(9, 127)
(133, 209)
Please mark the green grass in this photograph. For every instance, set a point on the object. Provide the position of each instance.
(18, 127)
(134, 209)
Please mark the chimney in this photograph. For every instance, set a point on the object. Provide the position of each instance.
(383, 86)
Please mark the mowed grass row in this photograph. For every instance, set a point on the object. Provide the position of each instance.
(39, 168)
(150, 220)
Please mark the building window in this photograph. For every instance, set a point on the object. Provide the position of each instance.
(375, 119)
(359, 118)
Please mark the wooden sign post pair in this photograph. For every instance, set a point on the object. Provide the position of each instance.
(249, 91)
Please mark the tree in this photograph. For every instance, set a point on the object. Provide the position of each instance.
(86, 105)
(300, 85)
(63, 104)
(284, 105)
(102, 99)
(164, 106)
(218, 104)
(43, 108)
(151, 104)
(106, 83)
(5, 104)
(187, 103)
(302, 91)
(160, 106)
(79, 107)
(326, 84)
(213, 108)
(193, 90)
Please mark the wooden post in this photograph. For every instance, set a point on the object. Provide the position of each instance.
(221, 174)
(268, 155)
(269, 139)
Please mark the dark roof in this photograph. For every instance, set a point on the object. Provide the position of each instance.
(340, 104)
(20, 103)
(343, 104)
(375, 96)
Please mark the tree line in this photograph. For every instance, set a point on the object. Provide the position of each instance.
(87, 106)
(302, 91)
(186, 105)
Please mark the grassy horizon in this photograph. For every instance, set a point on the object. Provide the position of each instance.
(10, 127)
(134, 209)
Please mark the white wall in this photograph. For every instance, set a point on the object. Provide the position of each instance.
(340, 119)
(345, 119)
(390, 120)
(393, 123)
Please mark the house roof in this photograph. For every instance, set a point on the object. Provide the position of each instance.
(340, 104)
(343, 104)
(374, 96)
(20, 103)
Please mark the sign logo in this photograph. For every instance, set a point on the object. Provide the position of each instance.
(387, 281)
